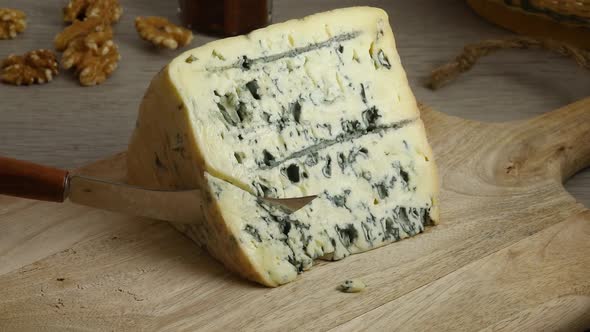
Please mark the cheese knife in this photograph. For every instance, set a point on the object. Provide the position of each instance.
(28, 180)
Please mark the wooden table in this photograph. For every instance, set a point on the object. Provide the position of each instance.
(63, 124)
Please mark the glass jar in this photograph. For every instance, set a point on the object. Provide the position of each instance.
(225, 17)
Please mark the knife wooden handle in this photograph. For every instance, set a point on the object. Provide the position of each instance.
(28, 180)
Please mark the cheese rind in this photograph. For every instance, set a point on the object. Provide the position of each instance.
(313, 106)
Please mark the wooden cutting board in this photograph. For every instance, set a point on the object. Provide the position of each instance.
(512, 252)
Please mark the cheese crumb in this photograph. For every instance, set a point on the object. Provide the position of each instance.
(352, 286)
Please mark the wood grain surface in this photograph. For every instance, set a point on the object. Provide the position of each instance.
(65, 125)
(511, 253)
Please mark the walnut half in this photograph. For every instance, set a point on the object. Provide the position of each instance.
(94, 57)
(12, 22)
(81, 29)
(108, 10)
(160, 32)
(34, 67)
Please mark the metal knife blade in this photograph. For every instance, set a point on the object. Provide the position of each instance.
(184, 206)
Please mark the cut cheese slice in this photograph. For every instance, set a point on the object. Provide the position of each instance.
(313, 106)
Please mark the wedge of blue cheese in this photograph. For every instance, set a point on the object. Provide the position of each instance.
(317, 106)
